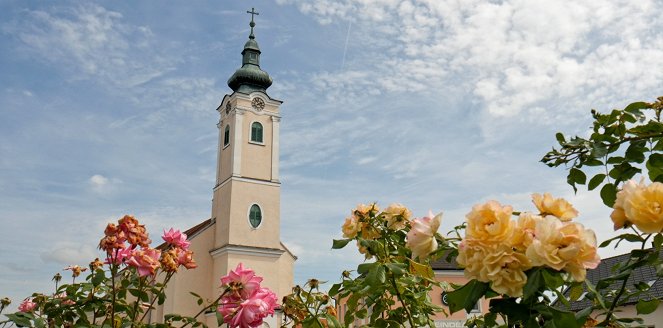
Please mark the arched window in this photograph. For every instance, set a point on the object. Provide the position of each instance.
(255, 216)
(256, 132)
(226, 136)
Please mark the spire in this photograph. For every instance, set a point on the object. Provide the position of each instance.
(250, 77)
(252, 24)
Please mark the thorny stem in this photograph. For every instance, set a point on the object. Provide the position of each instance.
(622, 289)
(569, 157)
(140, 287)
(113, 268)
(308, 309)
(154, 298)
(207, 307)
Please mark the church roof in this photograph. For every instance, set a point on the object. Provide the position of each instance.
(645, 274)
(445, 263)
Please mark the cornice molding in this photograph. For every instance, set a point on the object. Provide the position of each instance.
(246, 250)
(249, 180)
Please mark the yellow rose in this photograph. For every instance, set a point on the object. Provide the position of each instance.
(364, 210)
(644, 208)
(499, 264)
(564, 246)
(618, 215)
(557, 207)
(489, 222)
(397, 216)
(471, 253)
(506, 270)
(350, 227)
(523, 232)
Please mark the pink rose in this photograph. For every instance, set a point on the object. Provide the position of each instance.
(120, 255)
(146, 261)
(176, 238)
(242, 282)
(185, 258)
(421, 237)
(27, 305)
(248, 313)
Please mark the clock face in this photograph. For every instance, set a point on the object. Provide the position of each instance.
(258, 104)
(228, 107)
(445, 301)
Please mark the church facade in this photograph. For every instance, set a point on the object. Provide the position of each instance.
(244, 226)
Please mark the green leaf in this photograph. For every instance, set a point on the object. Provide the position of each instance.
(582, 315)
(340, 243)
(636, 152)
(560, 138)
(578, 176)
(658, 241)
(564, 319)
(596, 181)
(466, 296)
(398, 269)
(365, 267)
(575, 292)
(534, 283)
(647, 307)
(332, 322)
(635, 107)
(633, 238)
(98, 277)
(20, 319)
(609, 194)
(376, 276)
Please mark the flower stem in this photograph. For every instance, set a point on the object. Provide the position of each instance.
(207, 307)
(154, 298)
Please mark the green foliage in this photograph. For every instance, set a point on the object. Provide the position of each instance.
(620, 143)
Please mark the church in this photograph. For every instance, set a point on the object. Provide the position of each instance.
(244, 226)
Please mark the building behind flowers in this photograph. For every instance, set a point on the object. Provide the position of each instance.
(244, 226)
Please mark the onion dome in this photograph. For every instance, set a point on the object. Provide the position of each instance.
(250, 77)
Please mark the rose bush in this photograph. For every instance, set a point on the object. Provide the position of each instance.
(530, 265)
(120, 291)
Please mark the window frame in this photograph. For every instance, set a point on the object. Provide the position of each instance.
(226, 136)
(262, 133)
(262, 216)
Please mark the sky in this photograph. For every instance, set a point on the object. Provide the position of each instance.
(108, 108)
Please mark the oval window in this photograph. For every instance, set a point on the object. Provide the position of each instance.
(255, 216)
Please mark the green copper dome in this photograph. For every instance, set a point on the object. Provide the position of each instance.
(250, 77)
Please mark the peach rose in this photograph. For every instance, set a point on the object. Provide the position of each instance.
(364, 210)
(499, 264)
(557, 207)
(397, 216)
(644, 208)
(350, 227)
(618, 215)
(489, 222)
(505, 269)
(564, 246)
(421, 237)
(524, 230)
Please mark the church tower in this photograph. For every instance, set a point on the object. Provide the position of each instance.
(246, 201)
(244, 226)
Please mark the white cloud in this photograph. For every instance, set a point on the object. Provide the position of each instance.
(98, 181)
(512, 55)
(67, 253)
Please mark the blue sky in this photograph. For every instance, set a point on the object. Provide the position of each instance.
(108, 108)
